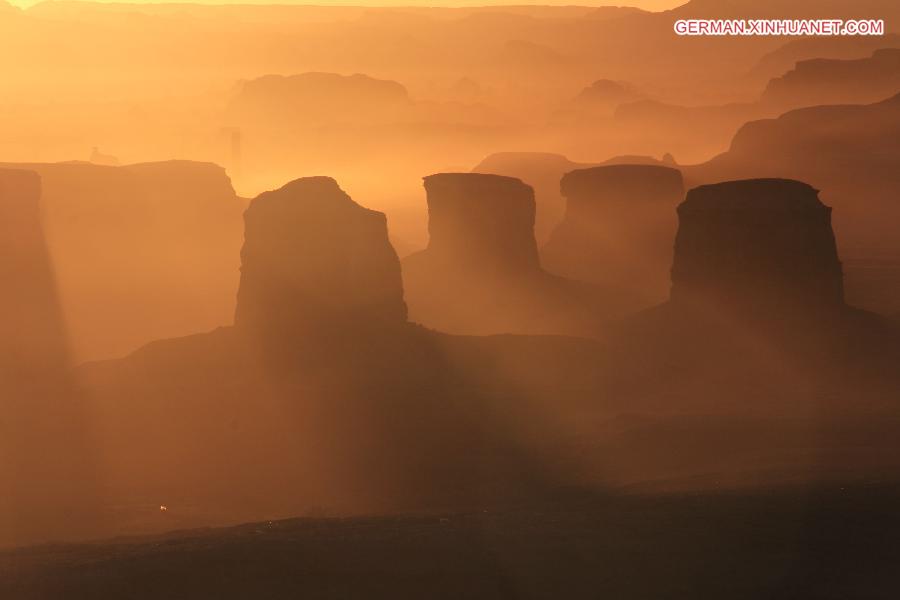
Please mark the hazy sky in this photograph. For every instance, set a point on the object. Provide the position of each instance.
(646, 4)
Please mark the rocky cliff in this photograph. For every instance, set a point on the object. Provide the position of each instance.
(481, 273)
(32, 333)
(542, 171)
(140, 251)
(46, 467)
(760, 245)
(348, 407)
(833, 81)
(618, 230)
(850, 153)
(757, 318)
(313, 260)
(481, 222)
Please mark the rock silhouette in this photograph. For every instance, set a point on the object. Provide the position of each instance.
(472, 421)
(542, 171)
(676, 127)
(481, 272)
(45, 462)
(830, 81)
(313, 259)
(781, 60)
(618, 230)
(757, 311)
(854, 164)
(359, 409)
(278, 101)
(554, 51)
(481, 222)
(32, 334)
(604, 96)
(399, 417)
(140, 251)
(757, 245)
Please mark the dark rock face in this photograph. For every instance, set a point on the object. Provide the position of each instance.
(761, 244)
(757, 316)
(481, 222)
(850, 153)
(32, 336)
(481, 273)
(854, 164)
(618, 230)
(630, 183)
(313, 259)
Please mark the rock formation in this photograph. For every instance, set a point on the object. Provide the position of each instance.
(761, 245)
(481, 223)
(140, 251)
(784, 58)
(347, 406)
(32, 335)
(481, 272)
(686, 131)
(45, 463)
(313, 260)
(618, 230)
(757, 318)
(409, 418)
(857, 148)
(603, 96)
(542, 171)
(831, 81)
(316, 98)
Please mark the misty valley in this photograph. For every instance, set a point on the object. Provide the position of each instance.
(447, 302)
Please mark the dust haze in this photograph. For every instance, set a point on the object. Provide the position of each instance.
(452, 301)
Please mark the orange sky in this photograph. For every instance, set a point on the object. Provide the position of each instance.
(645, 4)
